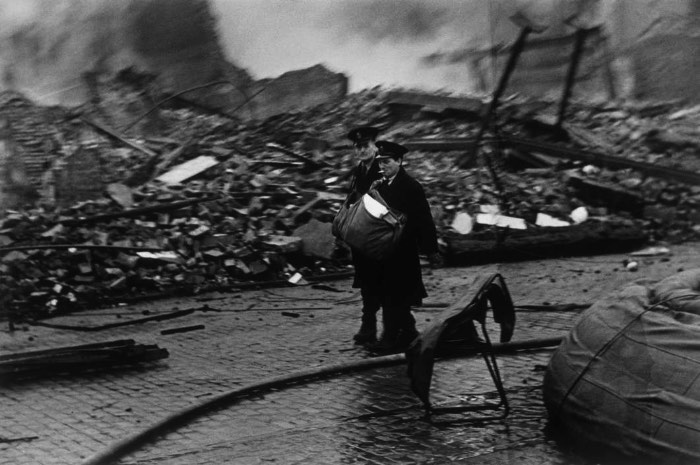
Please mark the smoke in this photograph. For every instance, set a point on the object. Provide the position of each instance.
(408, 43)
(374, 42)
(47, 45)
(431, 45)
(395, 20)
(17, 14)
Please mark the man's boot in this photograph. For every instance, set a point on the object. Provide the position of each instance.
(406, 337)
(368, 331)
(388, 343)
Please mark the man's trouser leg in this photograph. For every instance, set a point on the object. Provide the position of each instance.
(370, 306)
(407, 328)
(399, 328)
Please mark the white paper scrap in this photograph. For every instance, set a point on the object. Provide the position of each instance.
(489, 209)
(579, 215)
(463, 223)
(546, 220)
(501, 221)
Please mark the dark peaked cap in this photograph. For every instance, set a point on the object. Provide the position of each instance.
(363, 133)
(390, 149)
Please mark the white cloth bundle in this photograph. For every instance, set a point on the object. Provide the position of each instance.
(373, 207)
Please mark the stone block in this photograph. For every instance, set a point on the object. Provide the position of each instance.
(661, 213)
(316, 239)
(283, 244)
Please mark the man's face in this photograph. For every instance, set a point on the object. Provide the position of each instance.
(365, 150)
(389, 167)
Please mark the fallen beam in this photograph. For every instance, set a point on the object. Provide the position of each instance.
(88, 357)
(79, 246)
(137, 211)
(60, 350)
(596, 193)
(511, 246)
(558, 151)
(413, 101)
(116, 136)
(310, 161)
(441, 145)
(183, 329)
(599, 159)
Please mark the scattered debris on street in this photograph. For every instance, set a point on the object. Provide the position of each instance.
(214, 202)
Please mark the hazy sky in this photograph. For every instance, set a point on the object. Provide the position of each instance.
(407, 43)
(378, 41)
(373, 42)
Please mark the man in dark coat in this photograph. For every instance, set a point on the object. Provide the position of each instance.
(363, 175)
(398, 279)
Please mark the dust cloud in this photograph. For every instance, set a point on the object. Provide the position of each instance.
(411, 43)
(47, 44)
(373, 41)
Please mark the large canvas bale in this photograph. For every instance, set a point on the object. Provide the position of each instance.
(625, 383)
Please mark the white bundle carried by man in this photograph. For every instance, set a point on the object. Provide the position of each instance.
(369, 226)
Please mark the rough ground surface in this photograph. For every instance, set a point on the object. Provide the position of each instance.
(366, 418)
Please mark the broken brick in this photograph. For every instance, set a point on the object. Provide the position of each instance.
(283, 244)
(316, 239)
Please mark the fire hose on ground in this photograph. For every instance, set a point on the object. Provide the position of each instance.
(179, 419)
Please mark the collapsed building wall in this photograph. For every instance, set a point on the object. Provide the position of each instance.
(25, 157)
(14, 187)
(297, 89)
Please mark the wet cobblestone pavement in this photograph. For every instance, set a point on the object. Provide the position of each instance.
(373, 418)
(369, 417)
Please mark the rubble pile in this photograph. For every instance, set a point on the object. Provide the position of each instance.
(216, 202)
(662, 135)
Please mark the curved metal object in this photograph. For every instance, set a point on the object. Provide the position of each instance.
(455, 327)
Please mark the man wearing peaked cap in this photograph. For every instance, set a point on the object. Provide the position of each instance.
(387, 149)
(363, 175)
(363, 133)
(399, 280)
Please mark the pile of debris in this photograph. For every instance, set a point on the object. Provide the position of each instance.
(216, 202)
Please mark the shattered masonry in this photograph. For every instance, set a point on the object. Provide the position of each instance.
(252, 199)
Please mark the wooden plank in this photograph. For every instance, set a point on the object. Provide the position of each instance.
(304, 158)
(599, 159)
(97, 345)
(533, 244)
(121, 139)
(163, 207)
(436, 102)
(187, 170)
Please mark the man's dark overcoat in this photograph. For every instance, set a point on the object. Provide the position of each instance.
(399, 276)
(362, 179)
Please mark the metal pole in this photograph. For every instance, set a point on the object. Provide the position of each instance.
(503, 82)
(609, 76)
(571, 75)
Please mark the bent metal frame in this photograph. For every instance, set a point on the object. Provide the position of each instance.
(454, 332)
